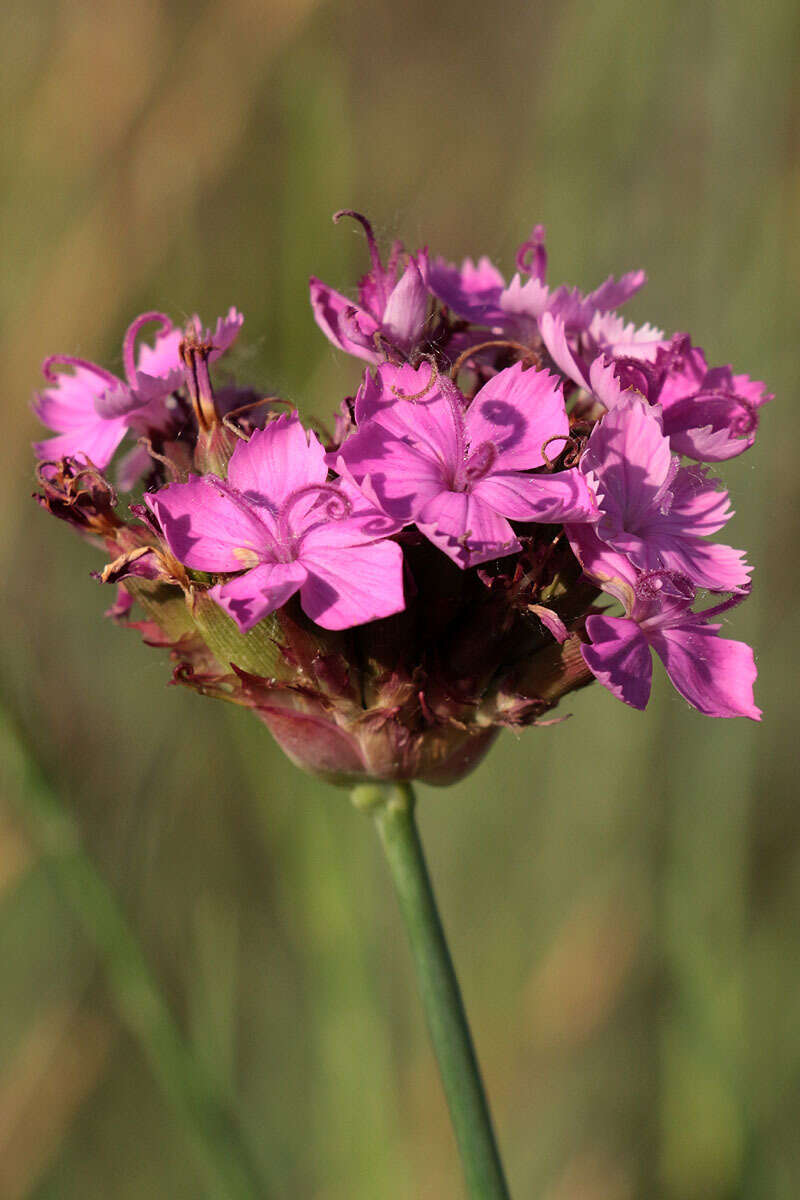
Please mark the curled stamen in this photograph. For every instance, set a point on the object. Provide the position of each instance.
(129, 342)
(384, 346)
(374, 253)
(231, 425)
(337, 508)
(66, 360)
(525, 351)
(434, 375)
(744, 422)
(162, 458)
(568, 441)
(532, 255)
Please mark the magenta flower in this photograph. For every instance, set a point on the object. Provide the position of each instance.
(653, 511)
(479, 293)
(278, 519)
(462, 475)
(709, 413)
(90, 409)
(391, 313)
(714, 674)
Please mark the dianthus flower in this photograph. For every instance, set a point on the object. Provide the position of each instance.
(387, 596)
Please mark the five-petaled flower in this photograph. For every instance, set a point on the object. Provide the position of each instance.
(278, 521)
(461, 473)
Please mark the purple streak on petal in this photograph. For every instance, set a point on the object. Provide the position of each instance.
(517, 411)
(619, 657)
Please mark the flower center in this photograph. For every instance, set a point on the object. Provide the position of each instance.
(476, 467)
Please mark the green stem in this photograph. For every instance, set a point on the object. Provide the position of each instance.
(392, 807)
(225, 1161)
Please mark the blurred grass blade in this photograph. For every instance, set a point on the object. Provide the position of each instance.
(221, 1153)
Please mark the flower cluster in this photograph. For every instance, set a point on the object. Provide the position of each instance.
(386, 596)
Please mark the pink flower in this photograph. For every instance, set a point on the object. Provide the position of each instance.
(391, 312)
(461, 475)
(479, 293)
(709, 413)
(91, 410)
(714, 674)
(279, 521)
(654, 512)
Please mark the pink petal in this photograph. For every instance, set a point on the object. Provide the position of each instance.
(466, 528)
(353, 585)
(403, 476)
(551, 621)
(205, 525)
(615, 292)
(276, 461)
(407, 309)
(546, 499)
(619, 657)
(632, 458)
(612, 571)
(518, 411)
(472, 292)
(714, 674)
(707, 564)
(96, 442)
(252, 596)
(346, 325)
(699, 505)
(161, 359)
(390, 383)
(554, 336)
(432, 427)
(524, 301)
(71, 400)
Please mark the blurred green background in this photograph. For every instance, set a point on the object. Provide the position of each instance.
(622, 890)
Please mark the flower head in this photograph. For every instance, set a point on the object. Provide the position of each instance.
(387, 597)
